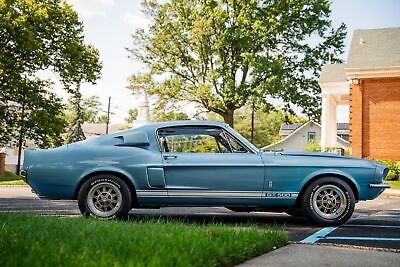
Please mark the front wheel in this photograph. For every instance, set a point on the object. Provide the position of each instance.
(104, 196)
(329, 201)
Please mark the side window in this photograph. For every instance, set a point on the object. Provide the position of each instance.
(198, 140)
(193, 140)
(235, 145)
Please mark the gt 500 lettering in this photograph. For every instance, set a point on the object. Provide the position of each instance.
(275, 194)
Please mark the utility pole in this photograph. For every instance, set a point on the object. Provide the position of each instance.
(108, 114)
(252, 124)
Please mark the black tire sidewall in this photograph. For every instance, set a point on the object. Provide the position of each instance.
(96, 179)
(314, 186)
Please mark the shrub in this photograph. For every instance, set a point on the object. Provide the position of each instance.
(394, 170)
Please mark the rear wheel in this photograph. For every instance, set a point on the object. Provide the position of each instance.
(329, 201)
(105, 196)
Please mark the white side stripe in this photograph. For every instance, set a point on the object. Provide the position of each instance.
(216, 194)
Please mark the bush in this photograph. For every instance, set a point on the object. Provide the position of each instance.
(313, 146)
(394, 170)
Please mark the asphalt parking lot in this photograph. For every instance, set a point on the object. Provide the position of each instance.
(374, 225)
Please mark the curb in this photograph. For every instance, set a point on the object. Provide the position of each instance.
(13, 185)
(391, 193)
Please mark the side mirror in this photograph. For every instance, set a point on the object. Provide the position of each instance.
(138, 139)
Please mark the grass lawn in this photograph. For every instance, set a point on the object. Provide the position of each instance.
(394, 184)
(27, 240)
(11, 179)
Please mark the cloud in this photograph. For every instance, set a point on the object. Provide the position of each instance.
(91, 8)
(136, 21)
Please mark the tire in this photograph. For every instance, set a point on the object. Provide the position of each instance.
(329, 201)
(105, 196)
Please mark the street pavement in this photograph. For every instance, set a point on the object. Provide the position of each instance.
(374, 225)
(319, 255)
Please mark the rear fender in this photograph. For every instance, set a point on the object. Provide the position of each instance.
(108, 169)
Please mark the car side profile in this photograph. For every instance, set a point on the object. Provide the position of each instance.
(200, 163)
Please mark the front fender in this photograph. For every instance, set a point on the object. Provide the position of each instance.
(333, 172)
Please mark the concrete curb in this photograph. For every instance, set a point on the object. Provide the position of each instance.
(320, 255)
(13, 185)
(391, 193)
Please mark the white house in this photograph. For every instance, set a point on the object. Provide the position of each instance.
(296, 137)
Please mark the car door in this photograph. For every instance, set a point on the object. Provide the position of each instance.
(208, 166)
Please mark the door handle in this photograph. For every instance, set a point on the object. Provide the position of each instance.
(170, 157)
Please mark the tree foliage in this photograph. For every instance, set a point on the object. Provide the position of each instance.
(159, 116)
(39, 37)
(90, 109)
(132, 115)
(221, 54)
(74, 131)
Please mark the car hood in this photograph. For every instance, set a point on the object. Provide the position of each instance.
(313, 154)
(328, 155)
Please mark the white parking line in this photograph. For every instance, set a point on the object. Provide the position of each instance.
(372, 226)
(362, 238)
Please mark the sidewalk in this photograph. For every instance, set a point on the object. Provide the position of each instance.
(317, 255)
(391, 193)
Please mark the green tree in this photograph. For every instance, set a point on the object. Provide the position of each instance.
(74, 131)
(39, 36)
(91, 109)
(132, 115)
(169, 116)
(102, 119)
(220, 54)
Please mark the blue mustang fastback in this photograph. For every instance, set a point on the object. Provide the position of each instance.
(200, 163)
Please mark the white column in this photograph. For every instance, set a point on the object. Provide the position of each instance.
(328, 122)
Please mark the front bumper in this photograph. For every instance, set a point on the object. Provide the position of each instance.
(380, 185)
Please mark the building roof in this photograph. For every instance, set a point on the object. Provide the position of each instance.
(93, 129)
(295, 131)
(343, 126)
(373, 48)
(292, 126)
(333, 73)
(295, 126)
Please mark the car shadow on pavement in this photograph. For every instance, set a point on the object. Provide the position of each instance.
(263, 218)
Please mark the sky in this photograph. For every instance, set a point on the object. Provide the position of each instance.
(108, 25)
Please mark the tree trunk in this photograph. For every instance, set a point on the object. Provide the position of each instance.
(228, 117)
(21, 140)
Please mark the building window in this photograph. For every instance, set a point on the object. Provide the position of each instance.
(311, 136)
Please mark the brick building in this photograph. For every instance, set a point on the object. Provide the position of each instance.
(369, 82)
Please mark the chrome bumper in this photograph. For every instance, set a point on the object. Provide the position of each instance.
(381, 185)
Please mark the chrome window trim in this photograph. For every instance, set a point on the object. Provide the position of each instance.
(224, 130)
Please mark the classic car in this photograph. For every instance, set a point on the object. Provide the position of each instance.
(200, 163)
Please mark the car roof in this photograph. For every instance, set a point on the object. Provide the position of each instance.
(157, 125)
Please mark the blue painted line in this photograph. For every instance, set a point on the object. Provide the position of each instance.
(373, 226)
(362, 238)
(318, 235)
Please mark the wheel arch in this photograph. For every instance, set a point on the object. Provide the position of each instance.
(125, 177)
(349, 180)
